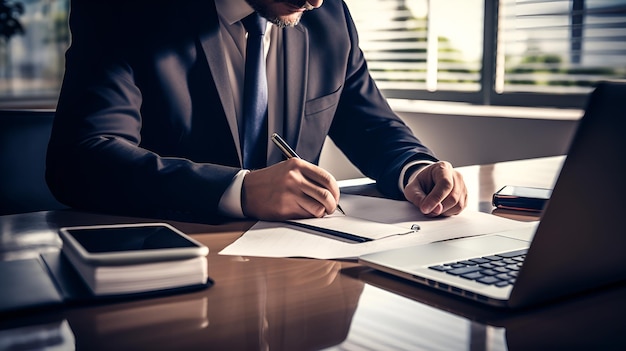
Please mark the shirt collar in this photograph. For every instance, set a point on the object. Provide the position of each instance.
(233, 11)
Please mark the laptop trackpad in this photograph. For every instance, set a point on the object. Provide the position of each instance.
(489, 244)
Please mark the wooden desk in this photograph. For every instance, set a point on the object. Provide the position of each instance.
(305, 304)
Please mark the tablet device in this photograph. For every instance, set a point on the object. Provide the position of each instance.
(119, 244)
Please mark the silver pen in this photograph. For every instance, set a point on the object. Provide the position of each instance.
(290, 153)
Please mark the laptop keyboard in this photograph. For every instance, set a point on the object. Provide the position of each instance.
(499, 270)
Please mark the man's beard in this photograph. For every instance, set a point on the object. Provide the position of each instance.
(279, 22)
(282, 23)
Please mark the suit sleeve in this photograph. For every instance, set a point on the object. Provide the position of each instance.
(95, 159)
(366, 129)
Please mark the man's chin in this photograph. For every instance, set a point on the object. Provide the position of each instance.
(290, 20)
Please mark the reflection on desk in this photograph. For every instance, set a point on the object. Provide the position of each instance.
(137, 324)
(55, 335)
(387, 321)
(592, 321)
(305, 304)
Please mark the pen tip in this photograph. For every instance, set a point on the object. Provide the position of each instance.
(341, 210)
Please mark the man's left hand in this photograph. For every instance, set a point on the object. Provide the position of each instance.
(437, 190)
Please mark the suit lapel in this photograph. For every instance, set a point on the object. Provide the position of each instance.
(211, 41)
(296, 51)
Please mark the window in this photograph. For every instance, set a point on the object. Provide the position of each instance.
(506, 52)
(494, 52)
(408, 50)
(33, 38)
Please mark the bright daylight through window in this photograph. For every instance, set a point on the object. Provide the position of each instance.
(507, 52)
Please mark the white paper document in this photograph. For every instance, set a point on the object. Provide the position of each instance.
(277, 239)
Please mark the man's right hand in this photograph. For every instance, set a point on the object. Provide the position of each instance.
(290, 189)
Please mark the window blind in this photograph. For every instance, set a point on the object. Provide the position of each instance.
(503, 52)
(407, 47)
(560, 46)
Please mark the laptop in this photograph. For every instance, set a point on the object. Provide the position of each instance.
(578, 244)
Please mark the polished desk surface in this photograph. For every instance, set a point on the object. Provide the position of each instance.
(306, 304)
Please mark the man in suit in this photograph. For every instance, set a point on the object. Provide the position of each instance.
(149, 118)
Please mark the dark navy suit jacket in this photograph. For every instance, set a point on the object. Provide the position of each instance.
(142, 120)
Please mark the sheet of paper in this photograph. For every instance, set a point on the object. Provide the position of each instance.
(274, 239)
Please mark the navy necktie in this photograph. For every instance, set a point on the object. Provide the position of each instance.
(254, 132)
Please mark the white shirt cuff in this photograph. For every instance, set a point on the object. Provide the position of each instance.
(230, 203)
(421, 164)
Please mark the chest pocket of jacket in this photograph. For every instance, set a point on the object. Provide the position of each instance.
(318, 116)
(320, 111)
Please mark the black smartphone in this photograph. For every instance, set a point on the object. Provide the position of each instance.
(521, 198)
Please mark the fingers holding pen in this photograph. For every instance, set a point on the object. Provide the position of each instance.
(316, 184)
(290, 189)
(320, 185)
